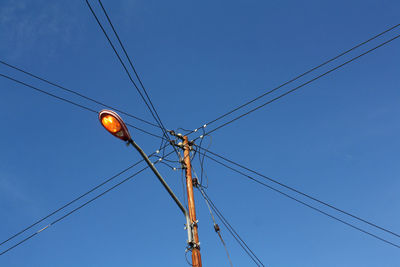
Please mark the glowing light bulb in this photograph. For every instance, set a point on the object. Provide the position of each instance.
(111, 124)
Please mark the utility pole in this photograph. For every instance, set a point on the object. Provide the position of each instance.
(196, 256)
(114, 124)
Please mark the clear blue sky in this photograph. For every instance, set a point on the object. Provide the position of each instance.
(336, 139)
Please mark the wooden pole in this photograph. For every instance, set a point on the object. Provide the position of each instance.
(196, 257)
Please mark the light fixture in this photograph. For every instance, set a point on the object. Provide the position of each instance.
(114, 124)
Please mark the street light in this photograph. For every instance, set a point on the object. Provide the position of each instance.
(114, 124)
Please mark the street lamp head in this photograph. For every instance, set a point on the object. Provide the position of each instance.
(114, 124)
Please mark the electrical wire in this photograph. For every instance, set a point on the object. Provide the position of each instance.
(152, 111)
(70, 102)
(226, 248)
(304, 203)
(133, 68)
(165, 132)
(202, 162)
(168, 160)
(120, 60)
(231, 230)
(184, 189)
(69, 213)
(73, 201)
(297, 77)
(186, 258)
(77, 208)
(305, 195)
(161, 160)
(74, 92)
(300, 86)
(69, 203)
(216, 227)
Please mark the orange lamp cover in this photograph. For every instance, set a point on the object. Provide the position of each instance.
(114, 124)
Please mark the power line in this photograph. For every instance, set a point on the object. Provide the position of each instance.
(79, 207)
(70, 102)
(304, 194)
(133, 68)
(74, 200)
(74, 92)
(69, 213)
(164, 130)
(216, 227)
(120, 60)
(300, 86)
(297, 77)
(69, 203)
(202, 163)
(304, 203)
(154, 114)
(231, 230)
(126, 69)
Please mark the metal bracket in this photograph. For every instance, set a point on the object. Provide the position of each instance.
(183, 164)
(178, 135)
(194, 223)
(195, 182)
(196, 245)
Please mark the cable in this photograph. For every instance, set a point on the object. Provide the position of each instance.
(186, 258)
(74, 200)
(168, 160)
(131, 64)
(119, 58)
(202, 162)
(76, 209)
(69, 203)
(298, 77)
(69, 213)
(138, 78)
(70, 102)
(226, 248)
(298, 87)
(127, 72)
(305, 204)
(76, 93)
(155, 116)
(183, 189)
(161, 160)
(305, 195)
(216, 227)
(232, 231)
